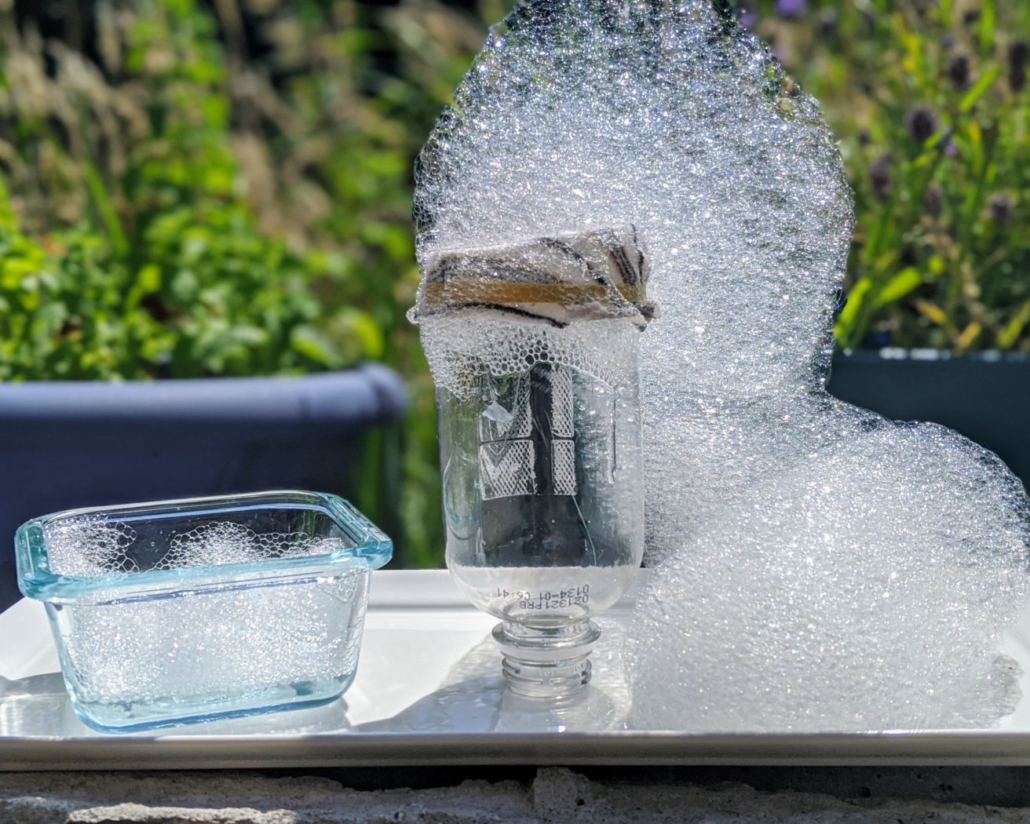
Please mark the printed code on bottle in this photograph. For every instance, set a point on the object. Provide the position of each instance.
(548, 598)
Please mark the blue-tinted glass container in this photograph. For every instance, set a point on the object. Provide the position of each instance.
(191, 610)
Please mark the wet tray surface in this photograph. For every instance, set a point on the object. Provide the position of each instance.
(429, 691)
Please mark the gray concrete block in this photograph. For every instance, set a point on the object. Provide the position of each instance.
(554, 795)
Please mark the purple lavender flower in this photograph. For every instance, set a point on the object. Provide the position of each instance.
(1017, 66)
(791, 9)
(921, 123)
(999, 208)
(958, 71)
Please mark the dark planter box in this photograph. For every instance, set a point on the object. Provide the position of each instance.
(985, 397)
(89, 444)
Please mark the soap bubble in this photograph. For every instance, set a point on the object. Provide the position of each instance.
(94, 545)
(860, 591)
(775, 514)
(130, 650)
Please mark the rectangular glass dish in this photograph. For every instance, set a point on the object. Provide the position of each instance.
(192, 610)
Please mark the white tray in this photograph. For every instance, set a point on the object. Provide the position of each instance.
(429, 692)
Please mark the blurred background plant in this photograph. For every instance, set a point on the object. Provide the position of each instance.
(223, 187)
(929, 101)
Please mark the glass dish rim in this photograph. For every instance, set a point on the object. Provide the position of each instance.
(372, 549)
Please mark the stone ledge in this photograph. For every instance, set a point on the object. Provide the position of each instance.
(554, 795)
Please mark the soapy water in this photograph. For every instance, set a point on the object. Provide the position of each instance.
(818, 567)
(230, 645)
(205, 649)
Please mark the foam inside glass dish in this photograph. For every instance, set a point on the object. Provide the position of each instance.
(191, 610)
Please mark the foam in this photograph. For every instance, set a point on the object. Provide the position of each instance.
(188, 647)
(96, 546)
(774, 513)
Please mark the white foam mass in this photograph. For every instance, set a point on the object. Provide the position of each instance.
(817, 566)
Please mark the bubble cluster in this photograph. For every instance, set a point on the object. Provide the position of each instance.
(777, 516)
(89, 545)
(859, 591)
(95, 545)
(227, 542)
(215, 647)
(603, 348)
(221, 645)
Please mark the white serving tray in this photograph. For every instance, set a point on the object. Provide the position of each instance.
(429, 692)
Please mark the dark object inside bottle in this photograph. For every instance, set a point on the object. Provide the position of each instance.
(545, 528)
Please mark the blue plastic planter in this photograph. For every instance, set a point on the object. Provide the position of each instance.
(66, 445)
(985, 397)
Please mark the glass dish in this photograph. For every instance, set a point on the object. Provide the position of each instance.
(191, 610)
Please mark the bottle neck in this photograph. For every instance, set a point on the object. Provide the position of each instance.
(549, 663)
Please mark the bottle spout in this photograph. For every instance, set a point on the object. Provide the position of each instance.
(551, 663)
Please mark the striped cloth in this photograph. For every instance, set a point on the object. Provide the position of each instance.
(588, 275)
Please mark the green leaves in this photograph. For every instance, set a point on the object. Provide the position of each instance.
(84, 312)
(934, 132)
(215, 200)
(898, 287)
(163, 267)
(979, 89)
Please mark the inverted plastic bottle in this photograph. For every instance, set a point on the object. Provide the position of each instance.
(533, 347)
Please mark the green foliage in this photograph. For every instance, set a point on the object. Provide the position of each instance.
(224, 187)
(930, 103)
(213, 298)
(130, 249)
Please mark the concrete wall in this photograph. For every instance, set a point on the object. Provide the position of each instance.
(544, 796)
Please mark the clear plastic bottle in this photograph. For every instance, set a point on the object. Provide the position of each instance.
(543, 505)
(540, 447)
